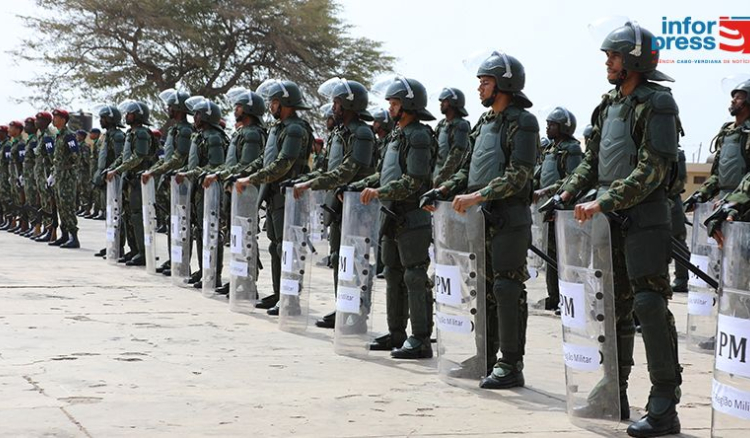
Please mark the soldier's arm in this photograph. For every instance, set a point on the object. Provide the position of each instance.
(182, 141)
(360, 156)
(710, 186)
(290, 150)
(418, 172)
(141, 142)
(741, 195)
(242, 170)
(456, 154)
(459, 180)
(571, 159)
(369, 182)
(311, 175)
(658, 149)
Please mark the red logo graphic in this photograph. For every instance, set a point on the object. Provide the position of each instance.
(735, 33)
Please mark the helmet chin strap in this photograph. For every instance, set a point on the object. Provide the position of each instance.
(620, 79)
(490, 100)
(398, 116)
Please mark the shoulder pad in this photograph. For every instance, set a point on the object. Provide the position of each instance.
(663, 102)
(214, 139)
(363, 132)
(142, 134)
(185, 130)
(251, 135)
(440, 124)
(462, 125)
(295, 130)
(527, 122)
(419, 137)
(118, 135)
(513, 112)
(573, 147)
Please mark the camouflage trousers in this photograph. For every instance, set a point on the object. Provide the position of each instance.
(46, 196)
(65, 192)
(32, 194)
(84, 187)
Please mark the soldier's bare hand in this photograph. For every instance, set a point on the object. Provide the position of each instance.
(586, 211)
(111, 175)
(179, 178)
(209, 179)
(461, 203)
(241, 184)
(368, 195)
(145, 177)
(300, 188)
(565, 196)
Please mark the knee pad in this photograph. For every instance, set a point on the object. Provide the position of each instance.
(416, 277)
(507, 292)
(649, 306)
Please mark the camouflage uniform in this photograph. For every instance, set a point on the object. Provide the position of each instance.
(453, 144)
(632, 179)
(84, 175)
(42, 169)
(206, 155)
(97, 203)
(142, 145)
(513, 138)
(5, 197)
(284, 158)
(405, 175)
(176, 151)
(66, 157)
(350, 159)
(15, 171)
(731, 162)
(29, 180)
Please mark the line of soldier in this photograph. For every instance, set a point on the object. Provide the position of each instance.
(40, 168)
(631, 159)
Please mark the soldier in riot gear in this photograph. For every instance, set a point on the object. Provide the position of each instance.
(452, 134)
(350, 159)
(110, 119)
(246, 145)
(285, 157)
(559, 158)
(143, 147)
(176, 151)
(732, 147)
(633, 147)
(498, 174)
(405, 174)
(679, 232)
(206, 155)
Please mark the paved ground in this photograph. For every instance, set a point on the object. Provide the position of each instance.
(93, 350)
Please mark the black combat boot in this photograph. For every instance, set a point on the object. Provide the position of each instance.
(72, 241)
(63, 238)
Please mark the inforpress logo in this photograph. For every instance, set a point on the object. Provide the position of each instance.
(730, 34)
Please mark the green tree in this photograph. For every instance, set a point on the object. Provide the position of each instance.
(110, 50)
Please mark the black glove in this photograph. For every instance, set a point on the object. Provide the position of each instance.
(288, 183)
(430, 197)
(689, 204)
(549, 207)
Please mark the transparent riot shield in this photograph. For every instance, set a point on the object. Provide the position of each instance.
(587, 307)
(706, 255)
(243, 248)
(180, 232)
(148, 199)
(358, 256)
(297, 252)
(114, 218)
(460, 312)
(730, 416)
(211, 239)
(319, 232)
(535, 264)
